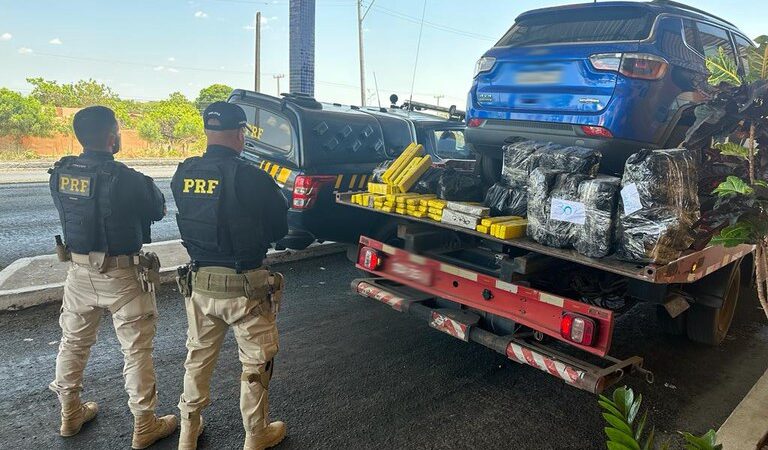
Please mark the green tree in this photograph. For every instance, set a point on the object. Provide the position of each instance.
(212, 93)
(24, 116)
(171, 122)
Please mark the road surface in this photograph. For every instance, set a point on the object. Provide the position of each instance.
(353, 373)
(28, 220)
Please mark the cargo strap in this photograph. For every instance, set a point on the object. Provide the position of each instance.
(103, 263)
(222, 282)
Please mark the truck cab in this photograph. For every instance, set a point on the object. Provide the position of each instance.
(313, 150)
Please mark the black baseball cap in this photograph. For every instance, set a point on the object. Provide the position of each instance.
(221, 116)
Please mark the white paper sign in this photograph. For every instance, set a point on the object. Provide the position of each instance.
(567, 211)
(631, 199)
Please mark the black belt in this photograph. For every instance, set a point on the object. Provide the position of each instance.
(239, 266)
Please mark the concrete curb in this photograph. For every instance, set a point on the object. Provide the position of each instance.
(747, 426)
(26, 297)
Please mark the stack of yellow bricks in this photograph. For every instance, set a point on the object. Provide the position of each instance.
(504, 227)
(392, 196)
(404, 172)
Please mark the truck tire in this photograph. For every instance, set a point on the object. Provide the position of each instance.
(709, 325)
(673, 326)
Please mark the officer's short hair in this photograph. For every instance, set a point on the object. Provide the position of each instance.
(93, 125)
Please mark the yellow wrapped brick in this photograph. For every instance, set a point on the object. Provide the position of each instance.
(388, 209)
(412, 175)
(488, 221)
(483, 229)
(398, 165)
(381, 188)
(419, 214)
(437, 203)
(437, 217)
(413, 163)
(417, 201)
(401, 211)
(510, 230)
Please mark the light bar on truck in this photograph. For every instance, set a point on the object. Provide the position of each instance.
(369, 258)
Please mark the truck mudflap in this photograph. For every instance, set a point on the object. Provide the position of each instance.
(522, 348)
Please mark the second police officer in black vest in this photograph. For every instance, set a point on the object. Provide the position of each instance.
(229, 213)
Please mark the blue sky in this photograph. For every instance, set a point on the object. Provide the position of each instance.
(145, 49)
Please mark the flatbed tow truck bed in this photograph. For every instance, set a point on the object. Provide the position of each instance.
(461, 298)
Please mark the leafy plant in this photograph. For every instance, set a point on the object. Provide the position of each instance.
(626, 432)
(723, 69)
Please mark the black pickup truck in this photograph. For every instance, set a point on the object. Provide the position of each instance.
(314, 150)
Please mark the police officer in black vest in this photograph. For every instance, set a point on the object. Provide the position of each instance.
(106, 210)
(229, 213)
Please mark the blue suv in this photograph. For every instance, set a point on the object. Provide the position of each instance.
(617, 76)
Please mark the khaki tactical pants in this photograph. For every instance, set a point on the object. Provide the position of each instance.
(87, 294)
(256, 334)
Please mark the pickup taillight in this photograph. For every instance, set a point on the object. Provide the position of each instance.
(306, 188)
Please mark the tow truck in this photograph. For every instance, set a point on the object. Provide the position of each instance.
(551, 309)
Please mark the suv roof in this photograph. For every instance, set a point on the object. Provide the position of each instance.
(656, 6)
(308, 102)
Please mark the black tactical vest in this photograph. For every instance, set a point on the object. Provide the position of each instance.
(215, 228)
(83, 190)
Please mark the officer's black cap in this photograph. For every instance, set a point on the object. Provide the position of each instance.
(221, 116)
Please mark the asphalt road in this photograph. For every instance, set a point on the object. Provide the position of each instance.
(28, 220)
(353, 373)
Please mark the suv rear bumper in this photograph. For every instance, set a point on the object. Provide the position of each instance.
(489, 138)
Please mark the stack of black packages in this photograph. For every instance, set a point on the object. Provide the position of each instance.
(543, 225)
(509, 197)
(600, 197)
(659, 205)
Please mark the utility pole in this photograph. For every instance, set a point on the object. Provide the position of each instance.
(257, 54)
(438, 97)
(360, 17)
(277, 77)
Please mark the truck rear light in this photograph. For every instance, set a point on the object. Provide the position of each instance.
(306, 189)
(593, 131)
(579, 329)
(475, 123)
(369, 258)
(643, 66)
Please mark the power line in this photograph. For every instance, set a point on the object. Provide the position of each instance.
(416, 20)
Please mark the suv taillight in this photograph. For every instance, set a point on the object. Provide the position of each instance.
(306, 189)
(642, 66)
(577, 328)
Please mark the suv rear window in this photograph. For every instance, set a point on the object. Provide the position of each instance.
(587, 24)
(269, 127)
(707, 39)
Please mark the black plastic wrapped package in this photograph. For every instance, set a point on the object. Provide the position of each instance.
(459, 186)
(507, 201)
(567, 159)
(518, 160)
(544, 186)
(429, 182)
(658, 205)
(600, 199)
